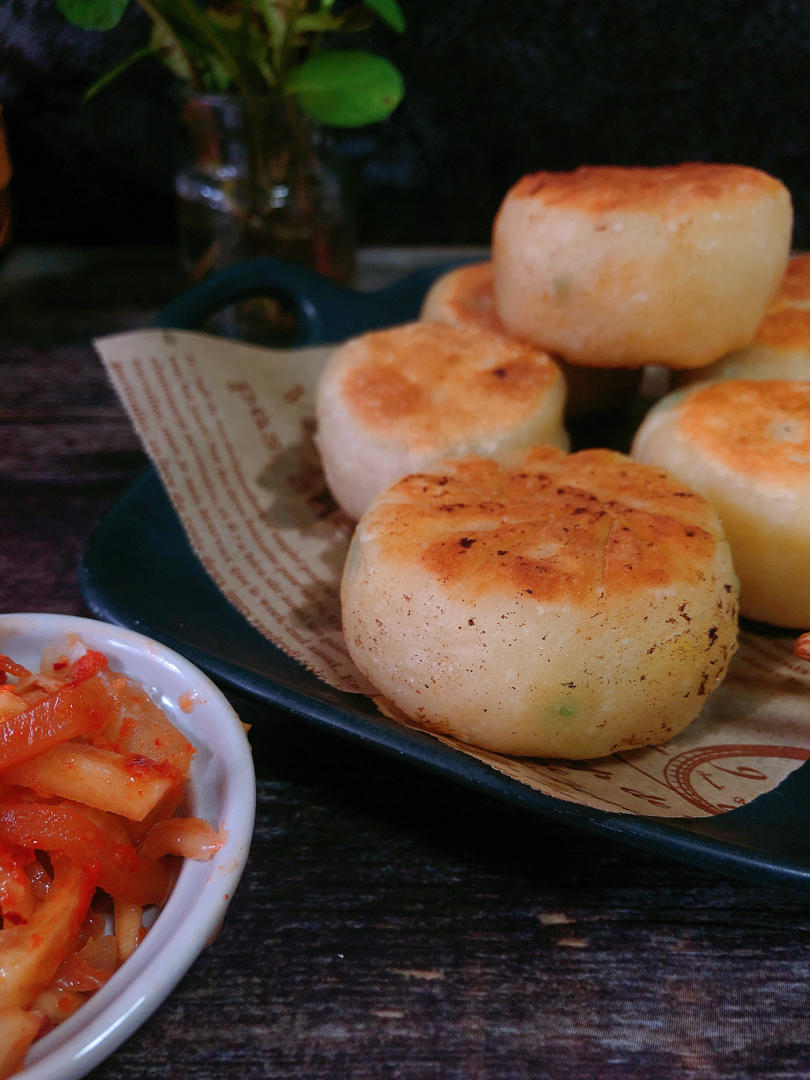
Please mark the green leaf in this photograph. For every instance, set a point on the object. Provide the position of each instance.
(93, 14)
(346, 89)
(389, 11)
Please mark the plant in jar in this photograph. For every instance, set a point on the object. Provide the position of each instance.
(261, 80)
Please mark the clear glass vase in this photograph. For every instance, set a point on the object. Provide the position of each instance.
(259, 181)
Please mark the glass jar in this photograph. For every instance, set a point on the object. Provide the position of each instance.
(260, 181)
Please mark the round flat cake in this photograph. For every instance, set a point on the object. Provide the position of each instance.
(557, 606)
(745, 445)
(392, 401)
(609, 266)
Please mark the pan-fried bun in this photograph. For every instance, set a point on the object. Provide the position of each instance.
(612, 266)
(465, 296)
(392, 401)
(781, 345)
(559, 606)
(745, 445)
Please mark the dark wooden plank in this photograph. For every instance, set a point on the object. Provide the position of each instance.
(44, 532)
(388, 925)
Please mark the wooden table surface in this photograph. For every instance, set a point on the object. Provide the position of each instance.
(389, 924)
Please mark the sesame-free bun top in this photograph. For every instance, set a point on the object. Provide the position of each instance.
(611, 266)
(556, 605)
(745, 445)
(391, 401)
(781, 345)
(465, 296)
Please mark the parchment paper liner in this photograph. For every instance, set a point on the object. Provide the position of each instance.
(229, 428)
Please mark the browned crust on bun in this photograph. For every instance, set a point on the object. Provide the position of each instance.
(795, 287)
(786, 327)
(392, 401)
(744, 444)
(667, 191)
(758, 429)
(557, 528)
(424, 384)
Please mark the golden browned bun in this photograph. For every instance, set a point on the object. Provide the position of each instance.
(392, 401)
(557, 606)
(612, 267)
(781, 345)
(745, 445)
(464, 296)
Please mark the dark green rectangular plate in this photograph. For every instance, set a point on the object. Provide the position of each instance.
(139, 571)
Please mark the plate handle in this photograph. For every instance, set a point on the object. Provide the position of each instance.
(324, 310)
(321, 306)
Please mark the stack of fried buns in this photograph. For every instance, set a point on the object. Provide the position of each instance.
(538, 602)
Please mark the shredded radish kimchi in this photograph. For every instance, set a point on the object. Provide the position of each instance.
(93, 779)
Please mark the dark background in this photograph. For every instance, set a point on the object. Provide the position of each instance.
(493, 90)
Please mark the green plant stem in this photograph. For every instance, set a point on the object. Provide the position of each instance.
(159, 19)
(244, 31)
(289, 36)
(99, 84)
(202, 25)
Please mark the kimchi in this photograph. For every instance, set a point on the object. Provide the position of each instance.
(93, 781)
